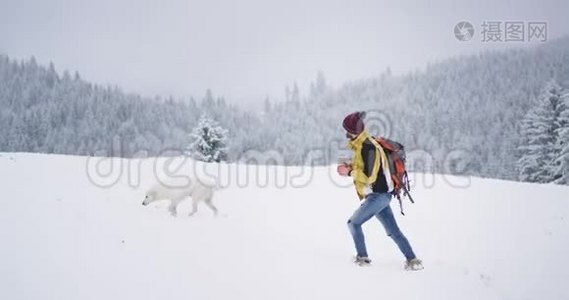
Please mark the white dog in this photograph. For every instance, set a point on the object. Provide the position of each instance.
(199, 192)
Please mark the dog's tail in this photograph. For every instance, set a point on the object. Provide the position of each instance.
(212, 183)
(219, 187)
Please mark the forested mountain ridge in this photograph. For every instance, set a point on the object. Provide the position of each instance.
(42, 111)
(472, 104)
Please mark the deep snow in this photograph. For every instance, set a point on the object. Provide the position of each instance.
(65, 238)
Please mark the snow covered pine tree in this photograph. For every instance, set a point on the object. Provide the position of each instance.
(208, 141)
(542, 144)
(561, 163)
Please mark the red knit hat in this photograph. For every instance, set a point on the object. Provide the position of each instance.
(354, 122)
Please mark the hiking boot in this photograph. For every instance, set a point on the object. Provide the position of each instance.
(362, 261)
(414, 264)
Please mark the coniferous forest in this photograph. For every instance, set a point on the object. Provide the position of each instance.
(496, 114)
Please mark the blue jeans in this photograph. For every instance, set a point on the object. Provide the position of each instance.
(377, 204)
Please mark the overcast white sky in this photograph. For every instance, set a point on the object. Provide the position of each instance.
(246, 49)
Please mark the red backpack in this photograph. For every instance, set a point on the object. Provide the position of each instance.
(396, 158)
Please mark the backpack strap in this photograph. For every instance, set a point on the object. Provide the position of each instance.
(407, 188)
(400, 204)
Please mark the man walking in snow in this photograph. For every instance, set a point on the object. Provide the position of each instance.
(373, 183)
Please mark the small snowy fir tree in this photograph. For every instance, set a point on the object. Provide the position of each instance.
(208, 141)
(539, 148)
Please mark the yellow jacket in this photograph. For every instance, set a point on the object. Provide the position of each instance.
(361, 180)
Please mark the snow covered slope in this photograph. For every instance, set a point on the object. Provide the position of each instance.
(63, 237)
